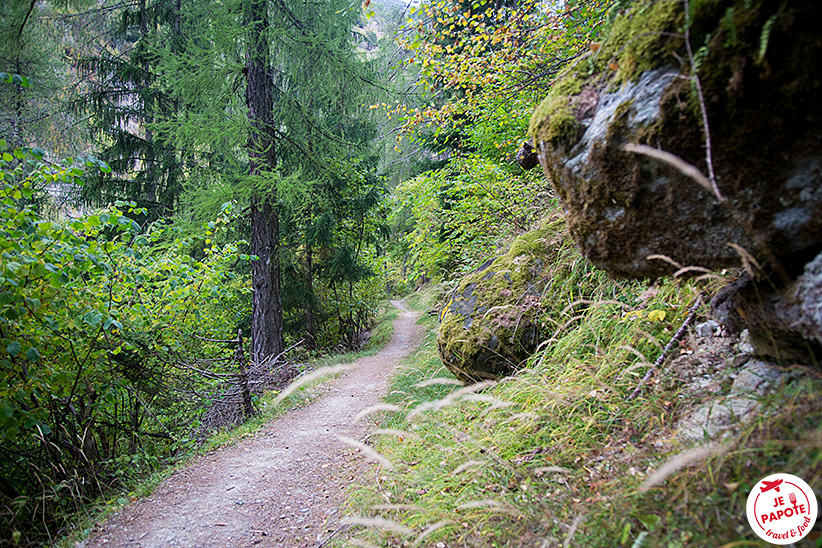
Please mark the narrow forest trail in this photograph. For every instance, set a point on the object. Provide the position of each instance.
(283, 487)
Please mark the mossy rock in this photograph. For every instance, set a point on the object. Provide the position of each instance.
(760, 70)
(489, 324)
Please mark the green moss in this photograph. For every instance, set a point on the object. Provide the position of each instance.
(554, 122)
(635, 41)
(571, 84)
(490, 323)
(534, 242)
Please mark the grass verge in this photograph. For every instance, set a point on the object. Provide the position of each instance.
(557, 455)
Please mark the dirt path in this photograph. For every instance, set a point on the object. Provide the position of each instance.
(283, 487)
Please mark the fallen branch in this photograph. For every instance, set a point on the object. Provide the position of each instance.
(665, 351)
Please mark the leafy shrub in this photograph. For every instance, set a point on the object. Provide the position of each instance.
(458, 216)
(95, 314)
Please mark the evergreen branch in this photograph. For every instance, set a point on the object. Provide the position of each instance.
(26, 18)
(294, 20)
(103, 10)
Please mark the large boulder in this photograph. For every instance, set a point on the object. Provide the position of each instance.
(760, 71)
(489, 324)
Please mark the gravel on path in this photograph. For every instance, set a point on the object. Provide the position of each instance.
(282, 487)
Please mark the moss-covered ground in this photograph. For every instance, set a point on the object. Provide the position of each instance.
(503, 302)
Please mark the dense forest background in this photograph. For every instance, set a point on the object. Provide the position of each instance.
(198, 195)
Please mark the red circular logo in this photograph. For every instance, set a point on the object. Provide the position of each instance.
(781, 508)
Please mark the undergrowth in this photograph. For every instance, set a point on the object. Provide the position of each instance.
(269, 408)
(556, 455)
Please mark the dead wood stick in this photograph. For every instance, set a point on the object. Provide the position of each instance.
(665, 351)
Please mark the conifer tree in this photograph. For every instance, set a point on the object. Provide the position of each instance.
(33, 40)
(267, 307)
(122, 103)
(270, 101)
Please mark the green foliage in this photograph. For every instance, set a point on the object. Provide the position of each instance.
(334, 229)
(16, 79)
(329, 198)
(32, 60)
(517, 464)
(122, 101)
(479, 66)
(93, 314)
(489, 58)
(449, 220)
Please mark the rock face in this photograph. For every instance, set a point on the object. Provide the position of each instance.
(754, 379)
(785, 322)
(761, 79)
(723, 370)
(488, 325)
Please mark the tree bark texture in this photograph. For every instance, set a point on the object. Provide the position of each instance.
(266, 307)
(310, 318)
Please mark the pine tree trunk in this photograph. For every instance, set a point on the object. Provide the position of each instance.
(150, 182)
(310, 319)
(266, 307)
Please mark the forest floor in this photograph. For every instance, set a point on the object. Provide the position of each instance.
(283, 486)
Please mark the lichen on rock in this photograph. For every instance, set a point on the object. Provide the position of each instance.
(489, 324)
(759, 64)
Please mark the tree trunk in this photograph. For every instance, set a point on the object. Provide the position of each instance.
(245, 390)
(310, 318)
(266, 307)
(134, 423)
(150, 181)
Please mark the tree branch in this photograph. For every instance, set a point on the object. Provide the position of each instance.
(26, 18)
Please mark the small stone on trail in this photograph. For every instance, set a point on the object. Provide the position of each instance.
(710, 328)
